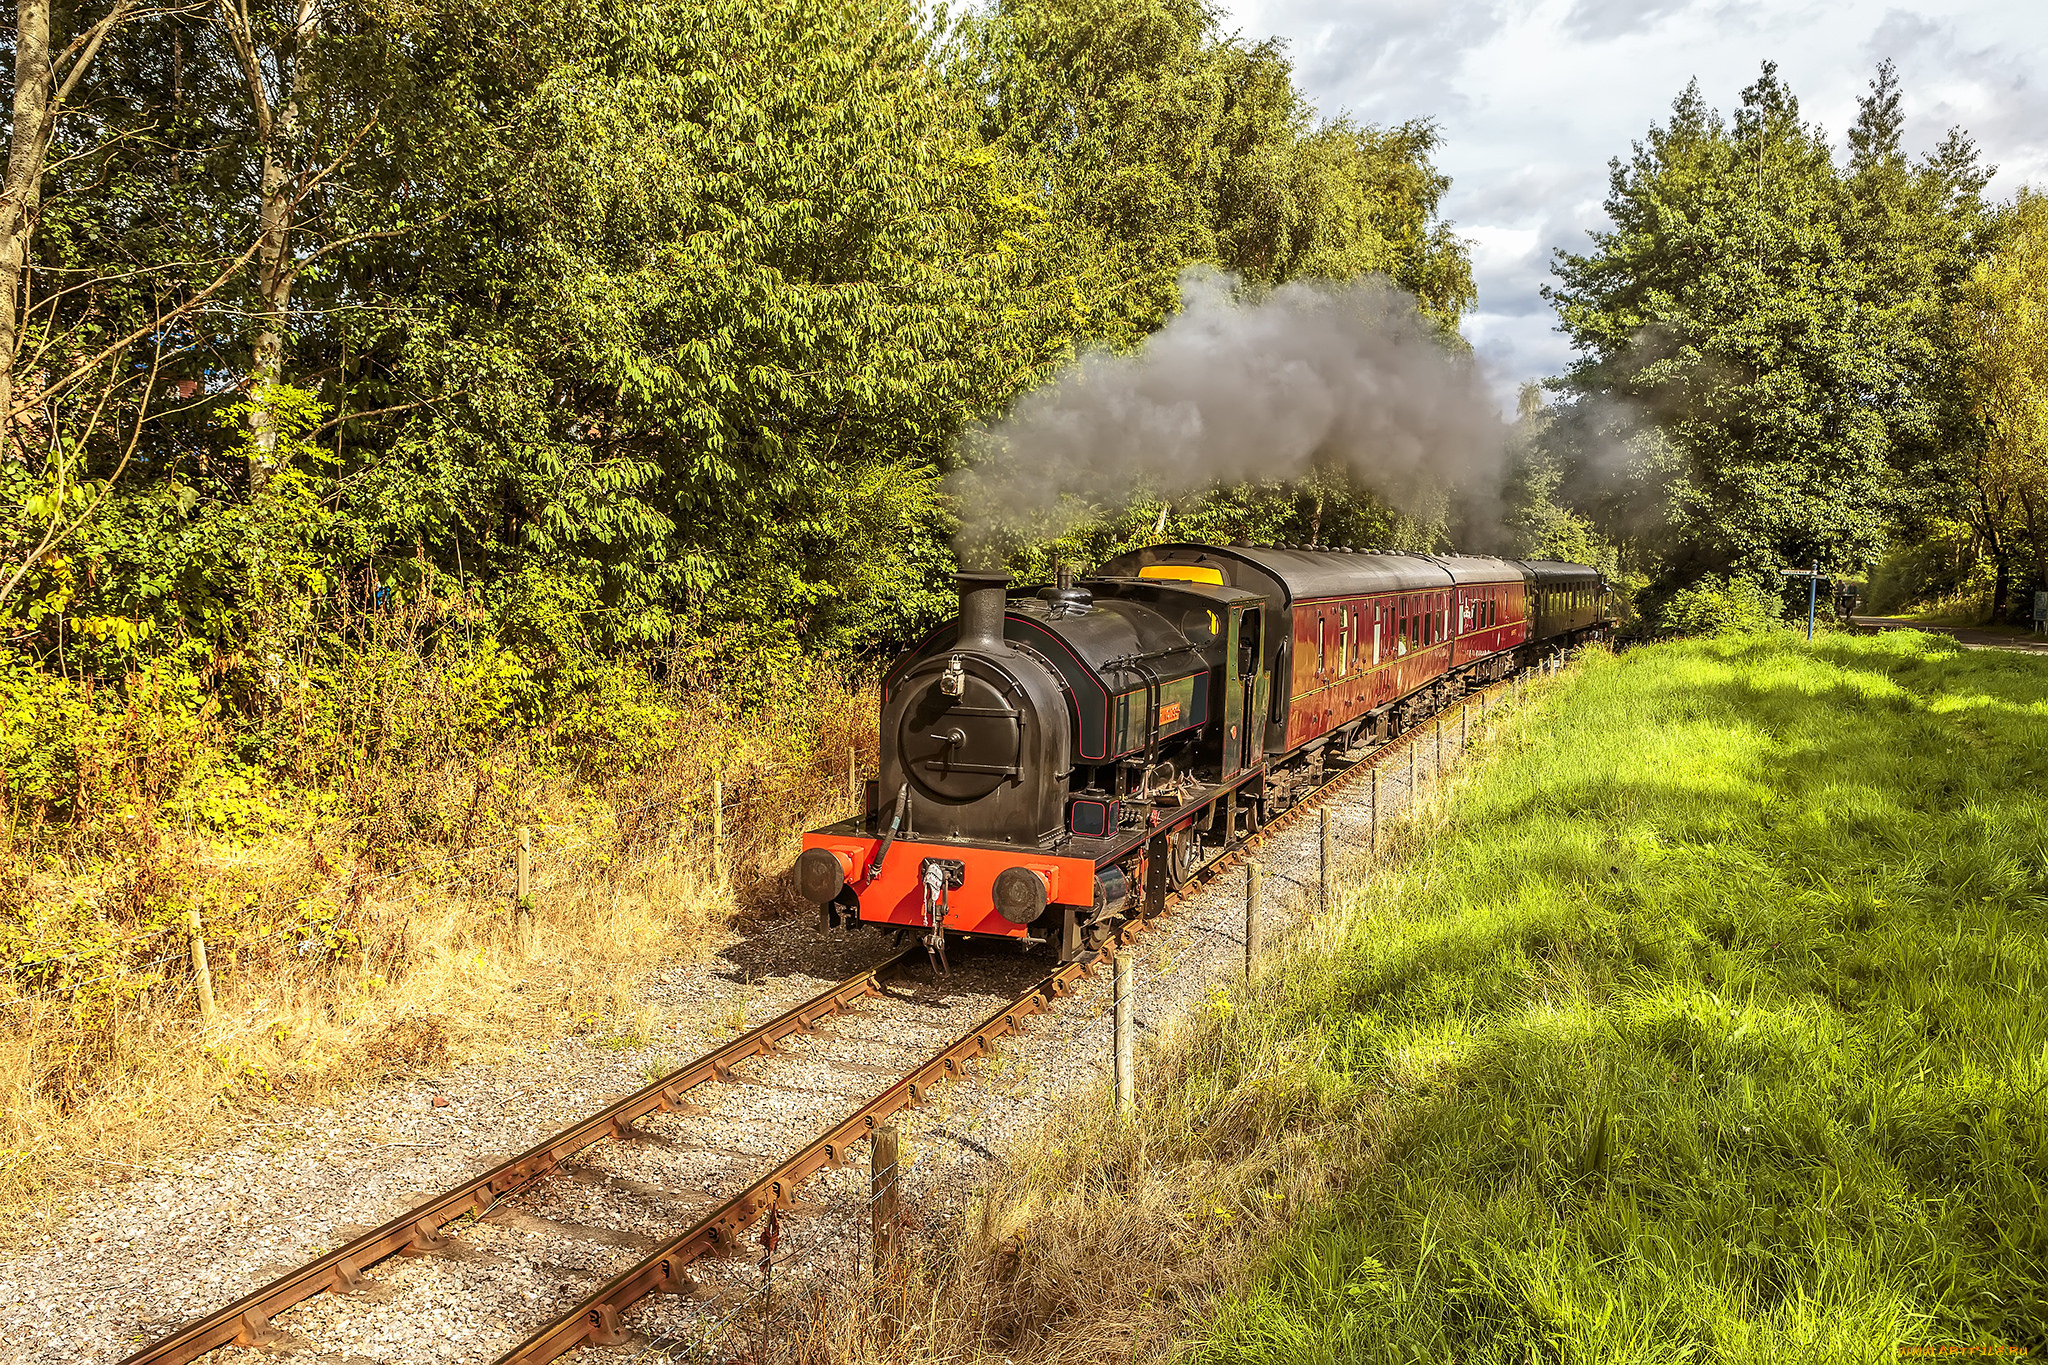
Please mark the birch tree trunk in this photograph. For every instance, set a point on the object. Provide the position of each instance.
(22, 198)
(276, 268)
(38, 96)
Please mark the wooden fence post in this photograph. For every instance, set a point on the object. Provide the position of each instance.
(522, 904)
(202, 979)
(1251, 917)
(884, 1193)
(1126, 1048)
(1374, 846)
(718, 828)
(1323, 871)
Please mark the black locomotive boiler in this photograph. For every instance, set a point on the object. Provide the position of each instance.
(1050, 758)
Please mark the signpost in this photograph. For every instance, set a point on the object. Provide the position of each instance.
(1812, 577)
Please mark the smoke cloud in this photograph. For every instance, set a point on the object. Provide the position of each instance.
(1310, 377)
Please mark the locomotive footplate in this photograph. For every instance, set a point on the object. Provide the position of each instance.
(933, 887)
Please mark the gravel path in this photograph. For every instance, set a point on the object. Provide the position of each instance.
(1969, 637)
(127, 1264)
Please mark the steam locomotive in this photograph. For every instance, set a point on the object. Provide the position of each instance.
(1055, 761)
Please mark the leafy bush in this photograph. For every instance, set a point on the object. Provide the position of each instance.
(1719, 606)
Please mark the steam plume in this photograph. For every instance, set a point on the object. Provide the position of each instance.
(1310, 377)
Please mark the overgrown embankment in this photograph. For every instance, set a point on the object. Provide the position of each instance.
(1703, 1024)
(349, 847)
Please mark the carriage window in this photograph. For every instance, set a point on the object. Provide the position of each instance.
(1343, 641)
(1322, 653)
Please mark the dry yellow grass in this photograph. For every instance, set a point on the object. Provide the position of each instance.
(338, 958)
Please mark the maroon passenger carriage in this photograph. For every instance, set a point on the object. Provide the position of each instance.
(1052, 761)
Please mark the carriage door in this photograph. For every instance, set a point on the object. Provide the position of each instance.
(1244, 690)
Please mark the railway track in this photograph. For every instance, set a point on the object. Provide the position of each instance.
(422, 1230)
(511, 1216)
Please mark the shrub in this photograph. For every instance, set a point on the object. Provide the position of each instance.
(1719, 606)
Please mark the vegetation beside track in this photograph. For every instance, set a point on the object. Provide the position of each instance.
(361, 921)
(1703, 1023)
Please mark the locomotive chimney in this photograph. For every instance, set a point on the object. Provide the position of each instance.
(981, 610)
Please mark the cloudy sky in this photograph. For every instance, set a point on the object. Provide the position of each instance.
(1534, 96)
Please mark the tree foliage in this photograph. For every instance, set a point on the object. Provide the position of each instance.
(644, 329)
(2002, 324)
(1766, 372)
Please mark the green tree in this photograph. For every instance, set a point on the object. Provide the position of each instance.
(1143, 137)
(2002, 319)
(1762, 333)
(647, 328)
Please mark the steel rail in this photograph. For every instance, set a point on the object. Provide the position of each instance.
(595, 1321)
(246, 1321)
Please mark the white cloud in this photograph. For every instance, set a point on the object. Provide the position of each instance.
(1535, 96)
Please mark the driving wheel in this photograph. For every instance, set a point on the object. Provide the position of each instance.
(1183, 856)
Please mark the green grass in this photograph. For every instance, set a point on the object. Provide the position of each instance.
(1707, 1027)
